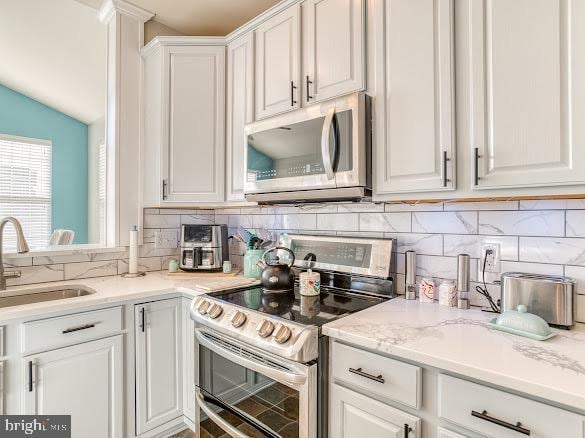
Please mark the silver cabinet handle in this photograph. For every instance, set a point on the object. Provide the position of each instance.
(325, 150)
(359, 372)
(476, 166)
(308, 83)
(76, 329)
(483, 415)
(30, 376)
(445, 160)
(292, 93)
(164, 189)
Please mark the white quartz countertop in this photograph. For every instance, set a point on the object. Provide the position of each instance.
(115, 289)
(459, 341)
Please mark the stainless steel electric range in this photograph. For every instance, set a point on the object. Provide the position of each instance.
(262, 360)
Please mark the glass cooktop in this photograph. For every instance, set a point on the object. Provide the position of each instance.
(317, 310)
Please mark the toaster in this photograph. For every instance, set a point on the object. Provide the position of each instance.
(550, 297)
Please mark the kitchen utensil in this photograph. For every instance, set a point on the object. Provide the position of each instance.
(276, 275)
(520, 322)
(251, 259)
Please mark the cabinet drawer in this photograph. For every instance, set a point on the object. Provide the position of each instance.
(377, 374)
(46, 334)
(499, 414)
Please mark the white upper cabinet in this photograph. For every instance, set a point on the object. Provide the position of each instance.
(278, 62)
(334, 48)
(184, 128)
(415, 147)
(240, 111)
(527, 66)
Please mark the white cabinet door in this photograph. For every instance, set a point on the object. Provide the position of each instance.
(278, 60)
(353, 415)
(194, 128)
(240, 111)
(190, 364)
(445, 433)
(84, 381)
(334, 54)
(527, 66)
(159, 366)
(416, 148)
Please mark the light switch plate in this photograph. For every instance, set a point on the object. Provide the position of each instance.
(166, 239)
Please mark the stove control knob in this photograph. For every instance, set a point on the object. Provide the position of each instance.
(214, 311)
(281, 333)
(202, 306)
(265, 328)
(238, 319)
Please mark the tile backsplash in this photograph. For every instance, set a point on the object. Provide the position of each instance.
(537, 236)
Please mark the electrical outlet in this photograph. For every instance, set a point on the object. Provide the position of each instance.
(166, 239)
(490, 258)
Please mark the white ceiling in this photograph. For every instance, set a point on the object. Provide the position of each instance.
(204, 17)
(55, 52)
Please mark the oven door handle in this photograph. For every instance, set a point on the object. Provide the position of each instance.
(271, 372)
(325, 147)
(217, 419)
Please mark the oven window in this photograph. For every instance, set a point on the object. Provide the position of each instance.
(261, 400)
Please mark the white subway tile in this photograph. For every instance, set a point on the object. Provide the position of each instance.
(580, 315)
(197, 219)
(162, 221)
(145, 264)
(37, 274)
(400, 284)
(221, 219)
(317, 208)
(361, 207)
(417, 206)
(531, 268)
(151, 211)
(523, 223)
(427, 244)
(299, 221)
(478, 206)
(267, 221)
(553, 204)
(386, 222)
(456, 244)
(90, 269)
(338, 222)
(562, 251)
(575, 223)
(365, 234)
(149, 250)
(442, 267)
(148, 235)
(464, 222)
(11, 262)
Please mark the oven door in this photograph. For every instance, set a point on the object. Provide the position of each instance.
(322, 146)
(246, 392)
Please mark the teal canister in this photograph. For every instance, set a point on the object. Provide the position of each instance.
(251, 259)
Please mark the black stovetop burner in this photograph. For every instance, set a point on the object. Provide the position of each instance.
(331, 304)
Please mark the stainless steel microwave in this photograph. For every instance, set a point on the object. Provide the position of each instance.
(321, 152)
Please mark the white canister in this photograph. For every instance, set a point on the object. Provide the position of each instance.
(310, 283)
(426, 290)
(448, 293)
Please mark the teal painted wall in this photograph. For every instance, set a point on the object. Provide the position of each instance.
(25, 117)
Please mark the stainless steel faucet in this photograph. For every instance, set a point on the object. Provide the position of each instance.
(21, 247)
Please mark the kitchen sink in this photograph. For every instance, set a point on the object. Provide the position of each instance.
(42, 294)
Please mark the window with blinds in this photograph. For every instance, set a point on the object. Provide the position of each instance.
(25, 188)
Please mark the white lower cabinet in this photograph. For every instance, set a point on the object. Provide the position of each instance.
(159, 366)
(354, 415)
(446, 433)
(84, 381)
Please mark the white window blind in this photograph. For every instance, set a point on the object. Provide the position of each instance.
(25, 188)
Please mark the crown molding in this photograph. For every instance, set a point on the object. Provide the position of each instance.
(164, 41)
(110, 7)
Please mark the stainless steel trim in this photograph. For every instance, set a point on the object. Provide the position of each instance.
(325, 146)
(274, 367)
(380, 263)
(217, 419)
(300, 196)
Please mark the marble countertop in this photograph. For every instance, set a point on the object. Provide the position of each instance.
(115, 289)
(459, 341)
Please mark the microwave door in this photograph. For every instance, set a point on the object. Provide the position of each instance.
(283, 156)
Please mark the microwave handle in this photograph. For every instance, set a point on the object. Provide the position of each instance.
(325, 146)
